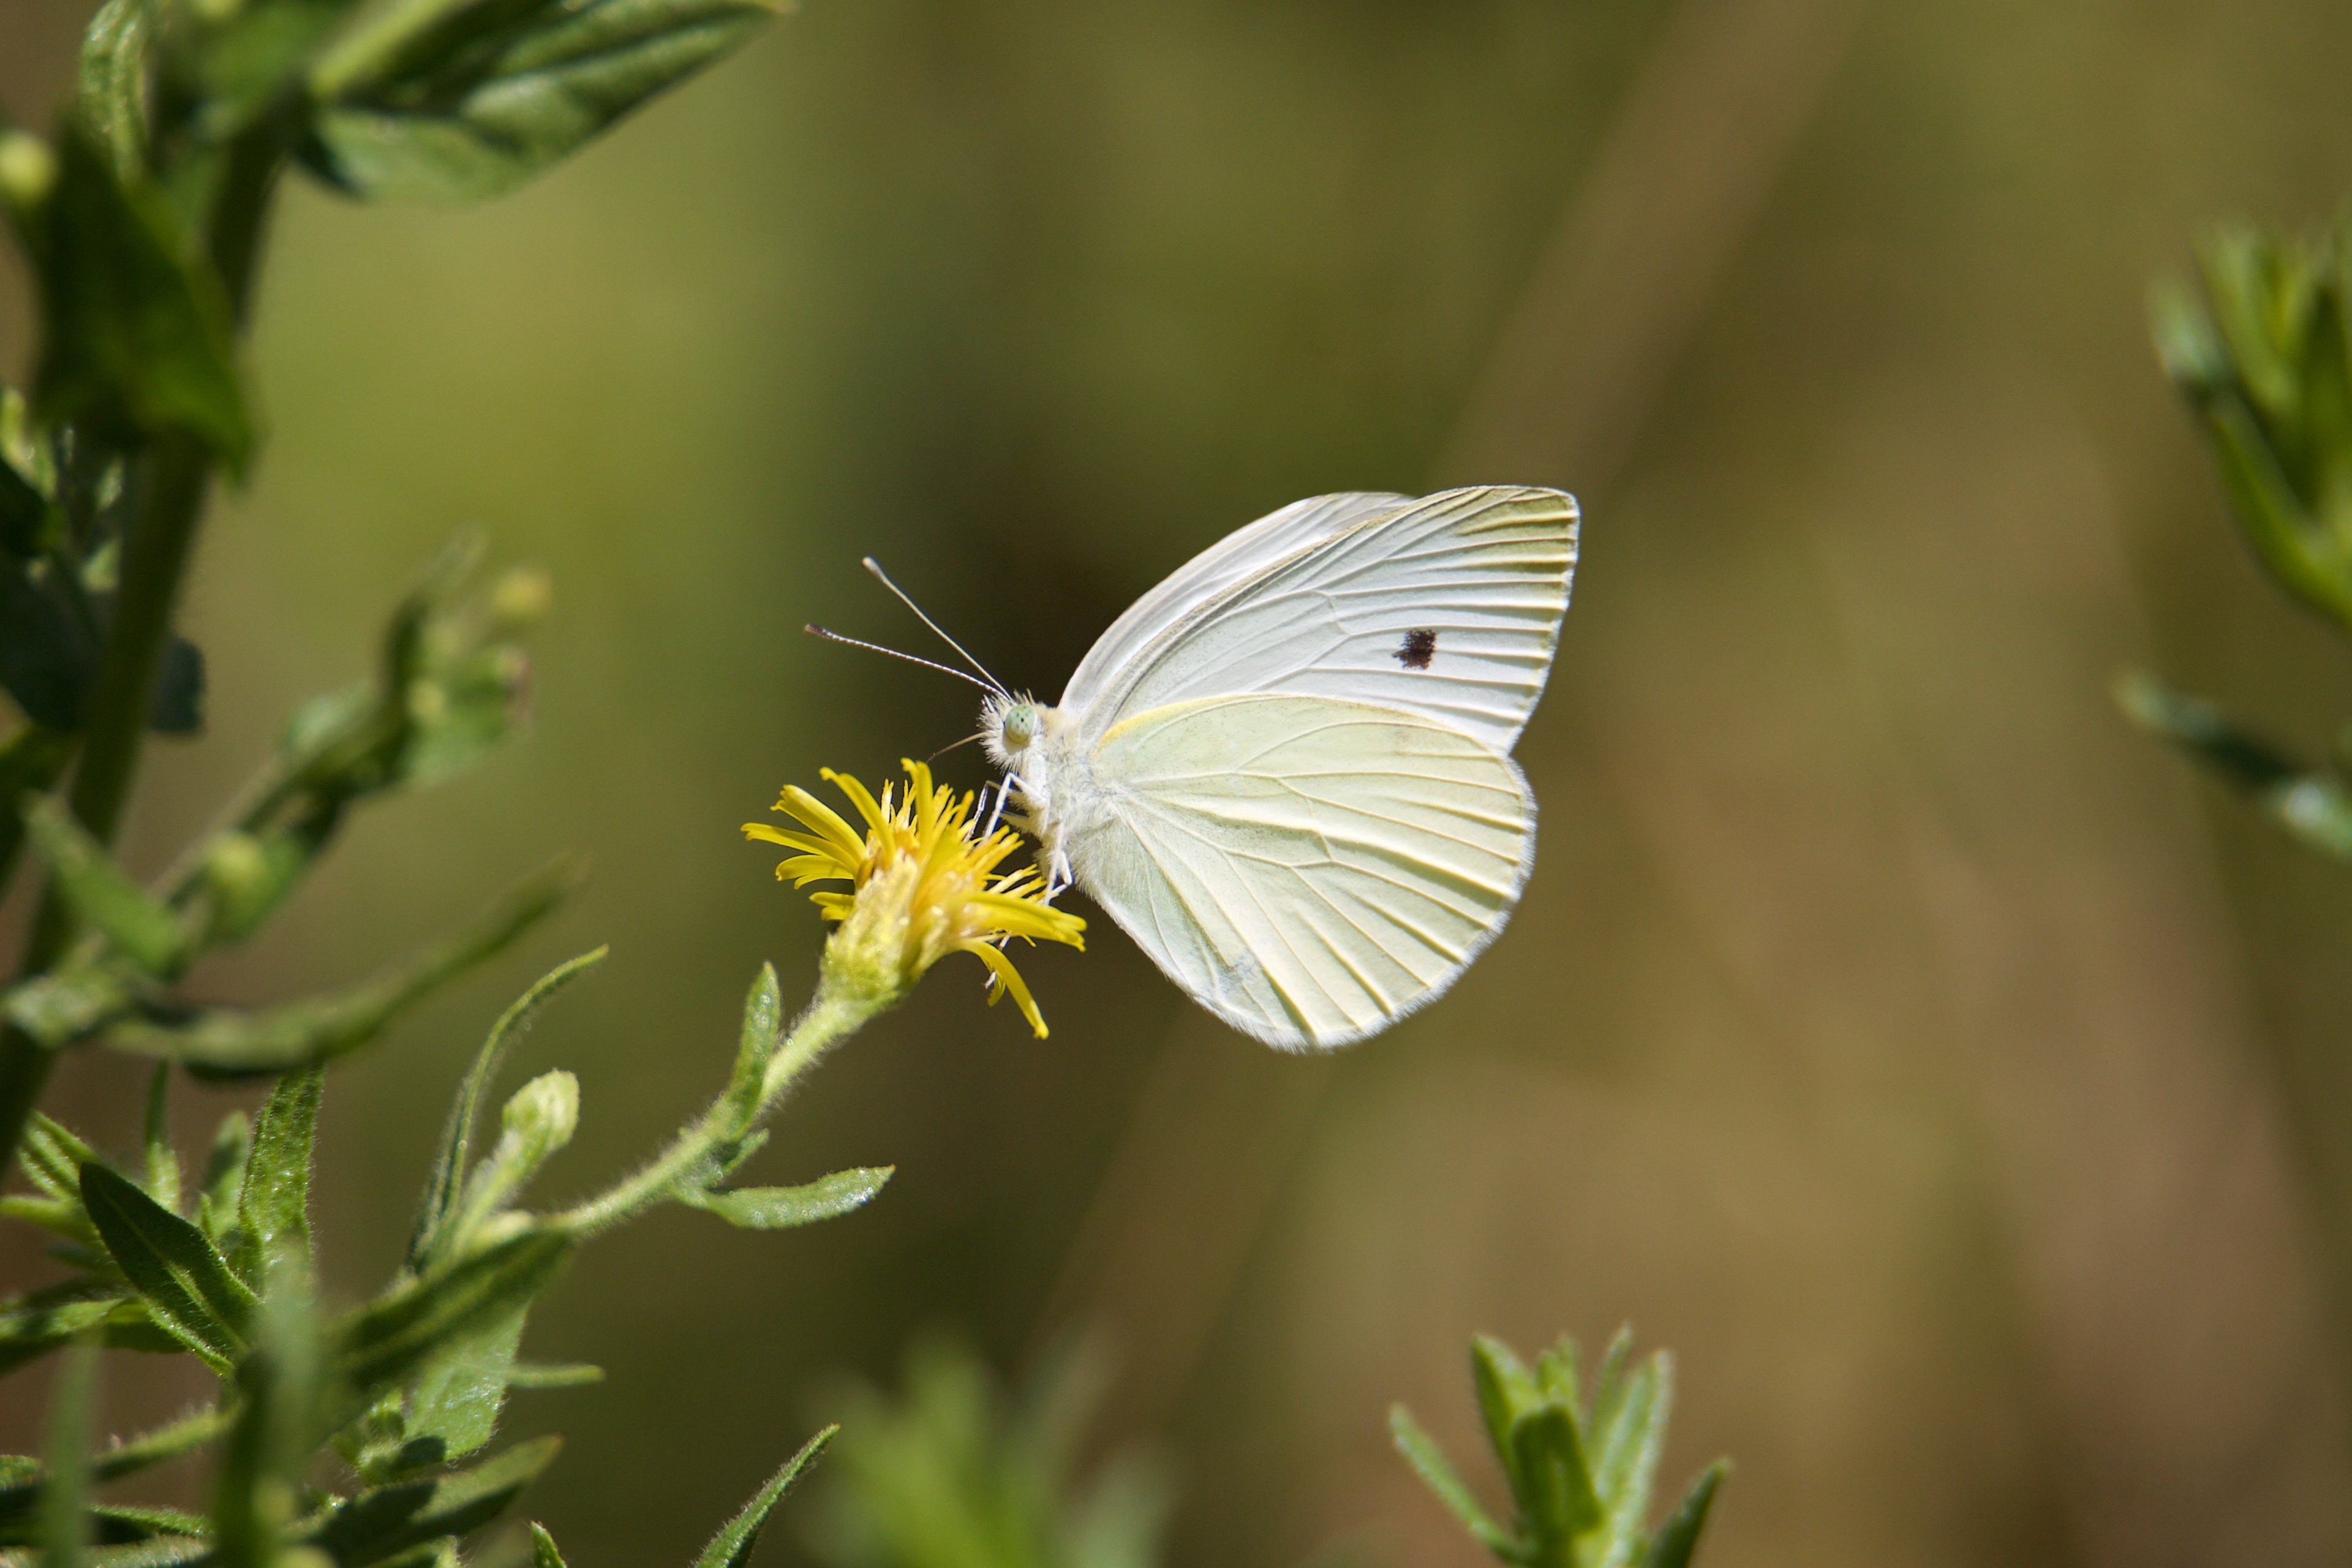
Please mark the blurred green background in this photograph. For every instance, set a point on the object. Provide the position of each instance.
(1887, 1028)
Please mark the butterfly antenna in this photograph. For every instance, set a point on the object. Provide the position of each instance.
(900, 593)
(817, 631)
(951, 745)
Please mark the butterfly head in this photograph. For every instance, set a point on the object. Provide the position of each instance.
(1009, 725)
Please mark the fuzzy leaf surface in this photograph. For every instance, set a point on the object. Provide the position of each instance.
(781, 1208)
(732, 1546)
(188, 1288)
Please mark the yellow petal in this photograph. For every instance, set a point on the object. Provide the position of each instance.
(1009, 978)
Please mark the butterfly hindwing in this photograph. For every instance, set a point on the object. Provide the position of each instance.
(1309, 868)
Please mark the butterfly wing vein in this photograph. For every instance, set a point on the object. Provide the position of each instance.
(1310, 870)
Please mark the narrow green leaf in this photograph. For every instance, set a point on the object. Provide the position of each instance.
(1554, 1490)
(1627, 1439)
(763, 1017)
(448, 1172)
(781, 1208)
(1505, 1391)
(544, 1554)
(139, 927)
(65, 1494)
(553, 1374)
(111, 84)
(2312, 806)
(188, 1290)
(52, 1157)
(491, 115)
(32, 758)
(230, 1043)
(731, 1547)
(136, 335)
(160, 1161)
(274, 1204)
(376, 1524)
(1678, 1537)
(387, 1339)
(1428, 1461)
(216, 1202)
(196, 1429)
(33, 1325)
(59, 1008)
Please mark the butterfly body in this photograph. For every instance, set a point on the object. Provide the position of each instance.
(1285, 771)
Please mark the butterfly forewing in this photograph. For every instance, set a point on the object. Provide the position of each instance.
(1241, 554)
(1448, 608)
(1309, 868)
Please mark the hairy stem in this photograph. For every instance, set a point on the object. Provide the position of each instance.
(831, 1018)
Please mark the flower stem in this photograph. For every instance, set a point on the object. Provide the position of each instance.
(832, 1017)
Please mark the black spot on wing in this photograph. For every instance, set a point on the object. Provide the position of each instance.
(1418, 648)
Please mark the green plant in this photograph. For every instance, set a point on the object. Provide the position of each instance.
(2263, 355)
(955, 1474)
(1580, 1469)
(353, 1436)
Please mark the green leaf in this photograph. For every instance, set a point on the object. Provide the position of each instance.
(387, 1339)
(136, 330)
(161, 1164)
(1678, 1537)
(781, 1208)
(544, 1554)
(112, 83)
(372, 1527)
(763, 1016)
(52, 1157)
(187, 1288)
(2309, 805)
(448, 1172)
(553, 1374)
(64, 1495)
(197, 1430)
(230, 1043)
(1505, 1392)
(530, 86)
(273, 1207)
(139, 927)
(456, 1398)
(1554, 1491)
(731, 1547)
(30, 760)
(1627, 1434)
(57, 1009)
(33, 1325)
(1428, 1461)
(224, 1186)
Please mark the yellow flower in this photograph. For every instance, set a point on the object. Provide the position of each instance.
(922, 885)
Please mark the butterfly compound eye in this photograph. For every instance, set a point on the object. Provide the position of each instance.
(1019, 726)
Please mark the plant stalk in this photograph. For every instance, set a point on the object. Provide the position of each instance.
(156, 552)
(831, 1018)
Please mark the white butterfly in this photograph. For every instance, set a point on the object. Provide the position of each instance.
(1285, 771)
